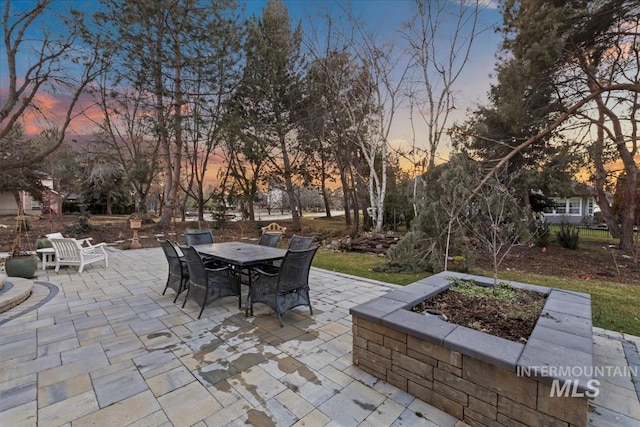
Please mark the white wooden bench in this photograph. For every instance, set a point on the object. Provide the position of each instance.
(274, 228)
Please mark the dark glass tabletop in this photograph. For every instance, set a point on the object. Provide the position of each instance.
(240, 253)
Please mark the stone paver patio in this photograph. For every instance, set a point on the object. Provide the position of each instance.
(108, 349)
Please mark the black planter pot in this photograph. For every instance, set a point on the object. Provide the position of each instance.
(24, 266)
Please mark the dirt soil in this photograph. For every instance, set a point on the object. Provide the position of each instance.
(590, 261)
(115, 231)
(512, 320)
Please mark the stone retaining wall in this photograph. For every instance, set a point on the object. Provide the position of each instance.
(472, 375)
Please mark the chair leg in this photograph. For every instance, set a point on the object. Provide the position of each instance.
(279, 318)
(308, 298)
(201, 310)
(186, 297)
(183, 287)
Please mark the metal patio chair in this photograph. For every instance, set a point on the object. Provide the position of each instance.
(198, 237)
(208, 284)
(299, 243)
(178, 278)
(286, 287)
(266, 239)
(269, 239)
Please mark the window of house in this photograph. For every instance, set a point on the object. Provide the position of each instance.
(590, 206)
(574, 206)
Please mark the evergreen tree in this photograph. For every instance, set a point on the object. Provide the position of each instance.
(269, 95)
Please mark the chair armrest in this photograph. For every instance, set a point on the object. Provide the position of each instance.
(97, 245)
(91, 249)
(226, 267)
(214, 264)
(260, 270)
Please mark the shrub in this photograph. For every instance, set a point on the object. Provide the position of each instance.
(568, 235)
(81, 225)
(541, 233)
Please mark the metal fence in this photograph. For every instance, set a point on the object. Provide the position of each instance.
(599, 233)
(595, 232)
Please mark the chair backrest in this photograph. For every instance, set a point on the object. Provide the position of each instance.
(198, 237)
(269, 239)
(299, 243)
(54, 236)
(173, 258)
(294, 271)
(197, 271)
(66, 248)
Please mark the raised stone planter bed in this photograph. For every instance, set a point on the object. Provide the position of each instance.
(479, 378)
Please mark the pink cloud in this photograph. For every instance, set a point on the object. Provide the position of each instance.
(50, 109)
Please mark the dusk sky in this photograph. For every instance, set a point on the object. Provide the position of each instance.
(386, 16)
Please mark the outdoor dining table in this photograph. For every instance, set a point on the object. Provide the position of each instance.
(242, 256)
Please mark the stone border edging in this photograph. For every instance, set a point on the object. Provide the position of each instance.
(53, 291)
(17, 291)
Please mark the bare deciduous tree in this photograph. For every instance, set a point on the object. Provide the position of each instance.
(27, 41)
(497, 220)
(440, 38)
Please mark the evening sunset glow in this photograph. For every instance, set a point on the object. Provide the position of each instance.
(387, 15)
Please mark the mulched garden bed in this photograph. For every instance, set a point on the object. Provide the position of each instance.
(506, 312)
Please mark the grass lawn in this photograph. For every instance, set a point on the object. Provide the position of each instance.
(361, 265)
(614, 305)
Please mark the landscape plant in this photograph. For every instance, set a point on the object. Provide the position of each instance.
(497, 219)
(568, 235)
(437, 231)
(502, 310)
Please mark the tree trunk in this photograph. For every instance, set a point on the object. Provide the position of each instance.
(355, 227)
(628, 208)
(325, 200)
(345, 199)
(628, 214)
(252, 212)
(108, 197)
(295, 215)
(173, 160)
(600, 181)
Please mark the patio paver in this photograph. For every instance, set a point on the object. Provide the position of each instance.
(109, 349)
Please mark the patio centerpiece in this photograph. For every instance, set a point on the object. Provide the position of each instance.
(477, 377)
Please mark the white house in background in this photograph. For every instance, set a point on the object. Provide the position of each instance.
(51, 202)
(576, 209)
